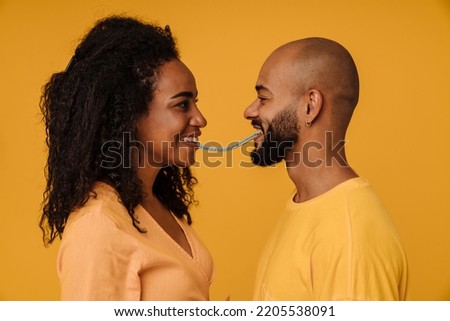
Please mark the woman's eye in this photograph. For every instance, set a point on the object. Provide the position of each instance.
(184, 104)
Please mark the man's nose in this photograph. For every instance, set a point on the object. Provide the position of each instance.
(251, 111)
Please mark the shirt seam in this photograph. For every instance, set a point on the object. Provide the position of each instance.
(350, 250)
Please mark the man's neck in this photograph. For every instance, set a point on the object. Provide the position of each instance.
(314, 174)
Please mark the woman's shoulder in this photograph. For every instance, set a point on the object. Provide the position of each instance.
(99, 228)
(102, 207)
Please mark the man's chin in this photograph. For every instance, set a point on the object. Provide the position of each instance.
(262, 158)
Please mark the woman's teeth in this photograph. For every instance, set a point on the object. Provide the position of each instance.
(189, 139)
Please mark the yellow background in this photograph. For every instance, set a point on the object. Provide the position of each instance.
(398, 139)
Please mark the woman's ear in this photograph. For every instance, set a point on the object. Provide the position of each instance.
(314, 101)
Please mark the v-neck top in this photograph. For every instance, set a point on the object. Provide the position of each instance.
(104, 257)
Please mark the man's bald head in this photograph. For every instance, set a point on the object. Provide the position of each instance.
(324, 65)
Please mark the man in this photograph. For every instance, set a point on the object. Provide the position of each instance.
(334, 240)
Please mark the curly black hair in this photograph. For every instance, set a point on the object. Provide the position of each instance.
(104, 90)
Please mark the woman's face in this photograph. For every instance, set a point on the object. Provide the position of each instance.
(173, 122)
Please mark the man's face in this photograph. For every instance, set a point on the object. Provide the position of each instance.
(274, 112)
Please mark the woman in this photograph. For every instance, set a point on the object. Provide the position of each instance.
(121, 124)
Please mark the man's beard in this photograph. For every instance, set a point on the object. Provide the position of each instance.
(279, 139)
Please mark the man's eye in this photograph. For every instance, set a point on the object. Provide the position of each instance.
(262, 99)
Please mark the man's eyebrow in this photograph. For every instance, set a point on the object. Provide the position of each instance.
(261, 88)
(188, 94)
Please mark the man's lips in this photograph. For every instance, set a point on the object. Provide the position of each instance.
(258, 140)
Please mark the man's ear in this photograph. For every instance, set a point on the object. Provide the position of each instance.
(313, 107)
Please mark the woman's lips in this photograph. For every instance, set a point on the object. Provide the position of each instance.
(190, 140)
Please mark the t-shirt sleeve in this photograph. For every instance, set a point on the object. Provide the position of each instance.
(363, 264)
(98, 261)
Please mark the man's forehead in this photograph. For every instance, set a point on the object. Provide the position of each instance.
(274, 73)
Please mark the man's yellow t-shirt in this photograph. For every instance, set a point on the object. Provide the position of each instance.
(340, 245)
